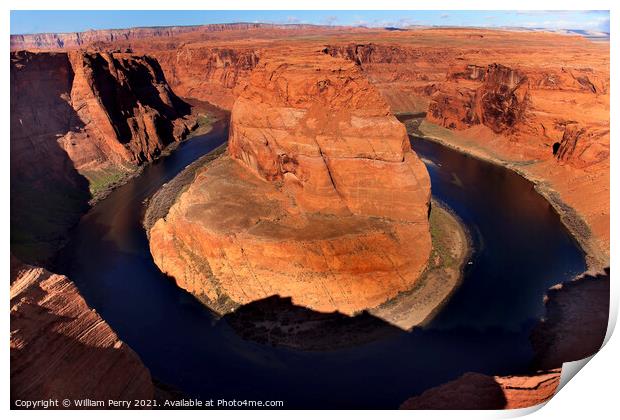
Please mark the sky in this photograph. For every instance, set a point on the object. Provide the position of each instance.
(31, 21)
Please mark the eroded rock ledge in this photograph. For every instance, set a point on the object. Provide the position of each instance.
(475, 391)
(319, 198)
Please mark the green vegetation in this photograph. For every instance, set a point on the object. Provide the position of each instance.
(444, 228)
(449, 252)
(204, 124)
(101, 181)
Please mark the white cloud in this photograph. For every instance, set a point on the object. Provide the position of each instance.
(330, 20)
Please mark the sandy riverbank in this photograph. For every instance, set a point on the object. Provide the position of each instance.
(593, 242)
(443, 275)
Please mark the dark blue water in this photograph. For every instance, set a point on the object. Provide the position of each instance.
(520, 250)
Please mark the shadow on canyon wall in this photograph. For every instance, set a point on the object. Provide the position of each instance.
(48, 195)
(575, 323)
(472, 391)
(120, 101)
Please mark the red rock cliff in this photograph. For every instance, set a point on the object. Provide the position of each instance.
(475, 391)
(321, 198)
(80, 121)
(207, 73)
(61, 348)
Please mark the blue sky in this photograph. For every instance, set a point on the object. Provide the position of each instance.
(75, 21)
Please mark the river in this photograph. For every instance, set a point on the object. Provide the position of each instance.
(520, 248)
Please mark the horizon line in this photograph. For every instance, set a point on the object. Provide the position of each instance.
(293, 24)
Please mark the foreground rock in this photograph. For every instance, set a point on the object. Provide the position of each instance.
(575, 323)
(320, 198)
(574, 328)
(475, 391)
(80, 122)
(61, 348)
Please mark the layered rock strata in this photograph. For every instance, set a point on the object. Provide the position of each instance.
(475, 391)
(505, 100)
(208, 74)
(61, 348)
(320, 197)
(80, 122)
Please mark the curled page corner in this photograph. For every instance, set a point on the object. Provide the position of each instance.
(570, 369)
(613, 315)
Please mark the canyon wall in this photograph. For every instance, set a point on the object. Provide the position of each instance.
(536, 104)
(514, 102)
(320, 197)
(535, 100)
(404, 75)
(166, 34)
(207, 73)
(575, 323)
(80, 122)
(475, 391)
(61, 348)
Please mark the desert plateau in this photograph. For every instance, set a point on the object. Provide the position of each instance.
(306, 207)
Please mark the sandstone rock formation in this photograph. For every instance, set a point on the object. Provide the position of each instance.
(475, 391)
(320, 199)
(209, 74)
(499, 102)
(80, 122)
(61, 348)
(537, 100)
(508, 101)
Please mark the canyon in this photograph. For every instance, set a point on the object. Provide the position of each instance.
(573, 328)
(319, 183)
(61, 348)
(81, 122)
(319, 197)
(496, 91)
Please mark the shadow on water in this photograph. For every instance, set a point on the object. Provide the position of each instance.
(520, 250)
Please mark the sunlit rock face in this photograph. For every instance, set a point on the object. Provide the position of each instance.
(61, 348)
(475, 391)
(319, 198)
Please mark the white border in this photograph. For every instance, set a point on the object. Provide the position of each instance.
(591, 395)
